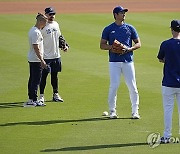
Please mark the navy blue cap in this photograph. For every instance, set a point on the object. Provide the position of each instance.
(175, 25)
(49, 10)
(119, 9)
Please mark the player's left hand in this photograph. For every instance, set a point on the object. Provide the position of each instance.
(63, 44)
(65, 49)
(119, 48)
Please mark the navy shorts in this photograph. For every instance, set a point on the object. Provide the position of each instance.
(53, 65)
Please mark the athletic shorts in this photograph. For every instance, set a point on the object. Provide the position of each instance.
(53, 65)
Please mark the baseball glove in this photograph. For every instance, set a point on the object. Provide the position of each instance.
(119, 48)
(62, 43)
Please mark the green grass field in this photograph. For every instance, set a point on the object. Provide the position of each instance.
(76, 126)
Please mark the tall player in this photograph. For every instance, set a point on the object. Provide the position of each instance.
(121, 64)
(51, 33)
(169, 54)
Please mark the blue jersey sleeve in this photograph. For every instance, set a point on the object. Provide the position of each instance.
(134, 34)
(161, 53)
(105, 34)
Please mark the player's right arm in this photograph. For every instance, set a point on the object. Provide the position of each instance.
(104, 45)
(104, 42)
(162, 60)
(37, 51)
(161, 54)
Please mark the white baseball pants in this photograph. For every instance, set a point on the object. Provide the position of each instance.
(128, 70)
(169, 95)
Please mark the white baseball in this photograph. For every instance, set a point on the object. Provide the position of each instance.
(105, 113)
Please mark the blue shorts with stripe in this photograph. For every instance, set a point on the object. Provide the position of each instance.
(53, 65)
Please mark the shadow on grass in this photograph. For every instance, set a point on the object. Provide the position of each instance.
(17, 104)
(94, 147)
(51, 122)
(11, 105)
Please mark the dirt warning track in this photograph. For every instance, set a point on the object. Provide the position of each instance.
(90, 6)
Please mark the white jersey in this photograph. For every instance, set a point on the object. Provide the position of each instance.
(51, 33)
(35, 37)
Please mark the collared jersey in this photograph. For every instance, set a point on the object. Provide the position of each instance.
(123, 33)
(170, 51)
(35, 37)
(51, 33)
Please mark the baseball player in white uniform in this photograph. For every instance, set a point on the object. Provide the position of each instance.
(36, 61)
(51, 33)
(121, 63)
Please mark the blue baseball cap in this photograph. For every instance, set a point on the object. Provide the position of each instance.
(49, 10)
(118, 9)
(175, 25)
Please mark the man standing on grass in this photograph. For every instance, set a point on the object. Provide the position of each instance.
(121, 63)
(35, 59)
(51, 34)
(169, 54)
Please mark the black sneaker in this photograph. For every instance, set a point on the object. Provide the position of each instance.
(164, 140)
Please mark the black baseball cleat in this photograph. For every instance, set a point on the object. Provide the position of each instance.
(164, 140)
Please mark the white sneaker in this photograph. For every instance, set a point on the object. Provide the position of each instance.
(38, 103)
(29, 103)
(57, 98)
(135, 115)
(41, 98)
(113, 115)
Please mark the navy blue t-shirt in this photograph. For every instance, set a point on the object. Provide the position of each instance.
(123, 33)
(170, 51)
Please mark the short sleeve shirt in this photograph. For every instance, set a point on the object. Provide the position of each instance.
(123, 33)
(170, 51)
(35, 37)
(51, 33)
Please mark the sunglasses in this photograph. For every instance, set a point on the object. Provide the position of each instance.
(52, 14)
